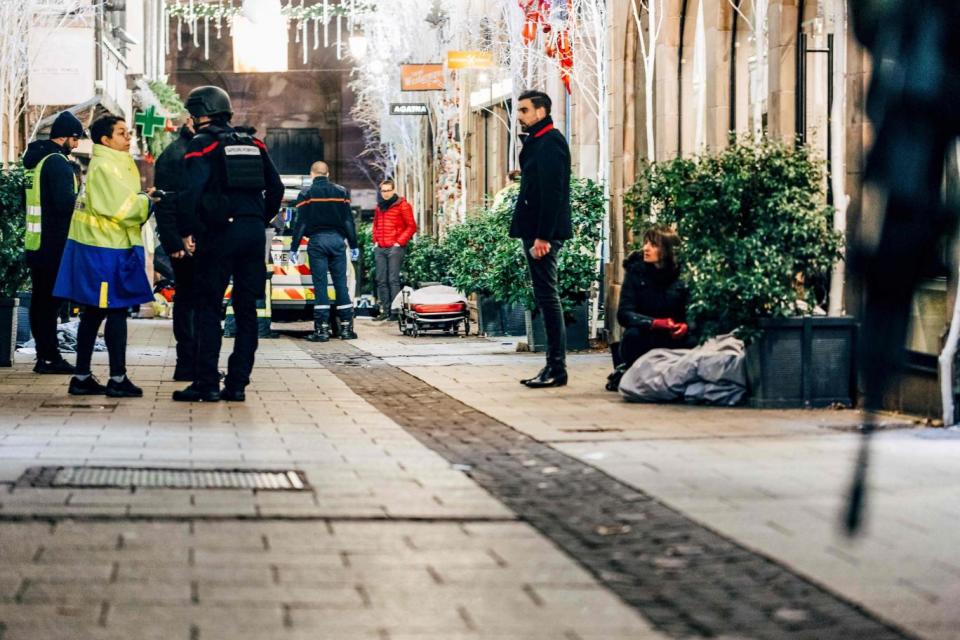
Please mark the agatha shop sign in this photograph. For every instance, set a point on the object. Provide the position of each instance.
(408, 109)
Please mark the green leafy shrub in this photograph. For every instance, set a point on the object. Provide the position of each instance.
(754, 225)
(485, 260)
(368, 283)
(13, 268)
(426, 260)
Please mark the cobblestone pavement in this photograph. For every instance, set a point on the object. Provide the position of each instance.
(398, 540)
(392, 543)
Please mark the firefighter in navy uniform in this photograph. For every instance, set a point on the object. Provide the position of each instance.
(232, 191)
(324, 216)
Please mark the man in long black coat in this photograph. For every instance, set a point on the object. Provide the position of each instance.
(169, 177)
(542, 221)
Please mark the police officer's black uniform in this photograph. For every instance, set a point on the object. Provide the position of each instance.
(170, 177)
(232, 191)
(324, 216)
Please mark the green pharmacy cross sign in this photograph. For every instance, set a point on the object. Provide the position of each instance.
(148, 121)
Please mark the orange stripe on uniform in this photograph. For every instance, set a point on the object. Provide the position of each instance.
(203, 152)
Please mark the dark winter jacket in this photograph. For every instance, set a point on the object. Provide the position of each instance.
(393, 224)
(58, 196)
(324, 206)
(543, 203)
(649, 292)
(207, 200)
(170, 177)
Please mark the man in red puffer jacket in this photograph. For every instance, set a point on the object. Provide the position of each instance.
(393, 226)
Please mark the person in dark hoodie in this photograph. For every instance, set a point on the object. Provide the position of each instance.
(51, 192)
(170, 177)
(324, 216)
(653, 302)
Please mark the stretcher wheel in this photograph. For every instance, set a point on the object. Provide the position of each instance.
(415, 330)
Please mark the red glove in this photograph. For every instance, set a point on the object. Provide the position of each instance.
(680, 330)
(663, 324)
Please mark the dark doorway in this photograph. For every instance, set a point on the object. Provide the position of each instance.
(294, 150)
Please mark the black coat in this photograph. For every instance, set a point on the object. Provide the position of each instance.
(58, 195)
(170, 177)
(648, 292)
(324, 206)
(543, 203)
(206, 190)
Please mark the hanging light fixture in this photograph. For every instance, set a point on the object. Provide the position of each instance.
(357, 44)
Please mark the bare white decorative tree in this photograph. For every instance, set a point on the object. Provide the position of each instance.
(648, 16)
(17, 18)
(756, 20)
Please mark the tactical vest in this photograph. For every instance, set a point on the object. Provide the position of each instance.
(237, 165)
(242, 162)
(31, 239)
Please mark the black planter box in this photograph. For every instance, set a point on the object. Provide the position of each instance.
(498, 318)
(578, 332)
(803, 362)
(8, 330)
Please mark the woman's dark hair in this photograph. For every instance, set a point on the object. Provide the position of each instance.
(103, 126)
(667, 240)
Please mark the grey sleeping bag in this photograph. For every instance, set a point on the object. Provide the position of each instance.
(713, 373)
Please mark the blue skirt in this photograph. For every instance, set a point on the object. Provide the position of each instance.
(101, 277)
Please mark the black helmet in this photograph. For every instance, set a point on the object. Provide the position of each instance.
(209, 101)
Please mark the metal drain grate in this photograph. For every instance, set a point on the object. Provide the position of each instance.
(163, 478)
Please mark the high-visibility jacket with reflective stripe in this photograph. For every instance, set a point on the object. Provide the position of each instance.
(31, 239)
(103, 262)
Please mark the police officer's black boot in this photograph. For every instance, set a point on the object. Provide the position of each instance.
(321, 326)
(346, 330)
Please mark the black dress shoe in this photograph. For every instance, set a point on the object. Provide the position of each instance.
(61, 367)
(233, 395)
(193, 394)
(539, 375)
(548, 378)
(124, 389)
(89, 386)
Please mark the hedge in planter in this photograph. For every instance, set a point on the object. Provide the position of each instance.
(13, 268)
(368, 283)
(426, 260)
(484, 259)
(754, 226)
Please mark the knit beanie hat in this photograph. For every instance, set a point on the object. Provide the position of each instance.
(66, 125)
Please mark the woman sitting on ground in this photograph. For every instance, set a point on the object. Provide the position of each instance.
(653, 302)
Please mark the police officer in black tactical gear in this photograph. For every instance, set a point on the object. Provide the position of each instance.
(232, 191)
(324, 216)
(170, 178)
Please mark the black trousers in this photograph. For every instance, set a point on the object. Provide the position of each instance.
(184, 315)
(115, 335)
(44, 309)
(388, 261)
(637, 341)
(543, 275)
(233, 251)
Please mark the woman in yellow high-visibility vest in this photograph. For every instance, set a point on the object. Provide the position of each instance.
(103, 263)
